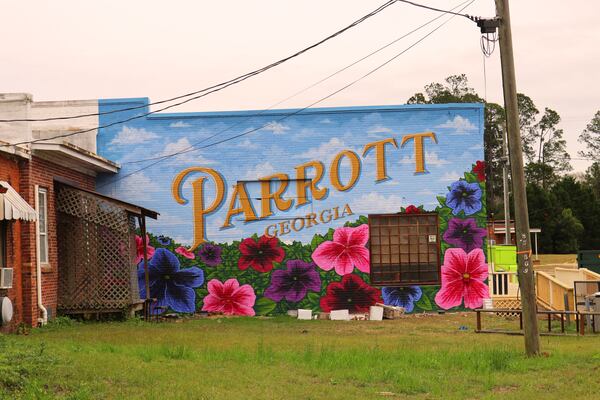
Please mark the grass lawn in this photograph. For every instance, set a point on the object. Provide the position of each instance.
(419, 357)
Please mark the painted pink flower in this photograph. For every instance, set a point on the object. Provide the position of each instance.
(140, 249)
(184, 252)
(463, 277)
(346, 251)
(229, 298)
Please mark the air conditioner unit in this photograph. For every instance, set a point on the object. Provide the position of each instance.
(6, 278)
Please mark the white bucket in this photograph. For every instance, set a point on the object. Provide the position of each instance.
(488, 304)
(376, 313)
(304, 314)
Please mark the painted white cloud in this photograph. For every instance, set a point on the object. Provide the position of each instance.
(247, 144)
(450, 176)
(324, 151)
(135, 188)
(379, 129)
(461, 126)
(477, 146)
(129, 135)
(376, 202)
(326, 121)
(260, 170)
(276, 127)
(431, 158)
(425, 192)
(179, 124)
(187, 156)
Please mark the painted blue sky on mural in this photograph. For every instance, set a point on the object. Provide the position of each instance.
(280, 143)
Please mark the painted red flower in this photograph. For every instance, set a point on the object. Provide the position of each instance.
(351, 294)
(229, 298)
(140, 249)
(412, 210)
(479, 169)
(463, 277)
(260, 255)
(346, 251)
(185, 252)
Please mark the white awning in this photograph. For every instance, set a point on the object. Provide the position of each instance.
(13, 206)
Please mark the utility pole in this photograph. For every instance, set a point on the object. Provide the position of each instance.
(507, 233)
(523, 240)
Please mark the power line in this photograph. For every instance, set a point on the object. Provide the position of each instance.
(231, 81)
(301, 91)
(439, 10)
(295, 112)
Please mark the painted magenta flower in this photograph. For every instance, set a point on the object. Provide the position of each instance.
(464, 233)
(405, 297)
(464, 196)
(261, 254)
(210, 255)
(185, 252)
(346, 251)
(294, 282)
(163, 240)
(140, 249)
(351, 294)
(479, 169)
(412, 210)
(463, 277)
(229, 298)
(171, 286)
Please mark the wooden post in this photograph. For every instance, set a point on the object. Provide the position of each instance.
(142, 221)
(478, 320)
(523, 241)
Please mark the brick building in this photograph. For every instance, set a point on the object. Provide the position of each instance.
(33, 171)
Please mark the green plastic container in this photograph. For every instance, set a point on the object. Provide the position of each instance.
(504, 258)
(589, 259)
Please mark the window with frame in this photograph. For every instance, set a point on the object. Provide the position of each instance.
(404, 249)
(43, 224)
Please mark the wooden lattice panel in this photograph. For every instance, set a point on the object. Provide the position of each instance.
(96, 249)
(404, 249)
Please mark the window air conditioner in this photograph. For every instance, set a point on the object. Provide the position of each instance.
(6, 278)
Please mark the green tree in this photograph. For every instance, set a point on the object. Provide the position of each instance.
(592, 179)
(591, 138)
(567, 231)
(543, 144)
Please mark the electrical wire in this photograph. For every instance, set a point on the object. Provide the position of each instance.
(234, 80)
(372, 71)
(439, 10)
(303, 90)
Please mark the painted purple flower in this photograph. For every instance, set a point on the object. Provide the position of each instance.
(171, 286)
(464, 196)
(294, 282)
(210, 255)
(465, 234)
(405, 297)
(163, 240)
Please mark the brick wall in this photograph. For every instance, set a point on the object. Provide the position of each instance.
(43, 173)
(9, 172)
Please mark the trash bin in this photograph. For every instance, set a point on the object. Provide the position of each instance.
(589, 259)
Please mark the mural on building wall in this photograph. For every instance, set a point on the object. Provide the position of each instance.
(262, 212)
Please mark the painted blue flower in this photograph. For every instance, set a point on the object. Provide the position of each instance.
(464, 196)
(405, 297)
(170, 285)
(163, 240)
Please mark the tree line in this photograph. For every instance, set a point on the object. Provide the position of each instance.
(564, 204)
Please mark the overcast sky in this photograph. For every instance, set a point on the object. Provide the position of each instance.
(60, 50)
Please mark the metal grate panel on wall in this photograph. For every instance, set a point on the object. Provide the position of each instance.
(96, 249)
(404, 249)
